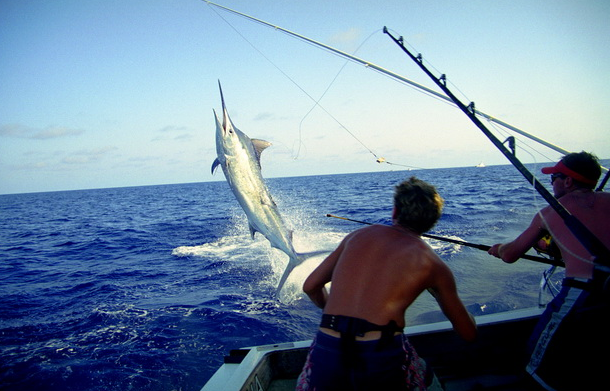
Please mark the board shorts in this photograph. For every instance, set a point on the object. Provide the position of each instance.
(394, 367)
(570, 344)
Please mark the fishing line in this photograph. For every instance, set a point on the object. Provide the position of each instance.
(499, 128)
(538, 205)
(317, 103)
(593, 245)
(262, 54)
(293, 82)
(443, 78)
(531, 151)
(378, 159)
(429, 64)
(395, 76)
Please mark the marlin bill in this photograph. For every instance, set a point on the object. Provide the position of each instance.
(239, 157)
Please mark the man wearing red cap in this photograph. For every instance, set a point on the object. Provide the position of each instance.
(570, 344)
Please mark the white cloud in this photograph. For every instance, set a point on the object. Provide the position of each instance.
(87, 156)
(50, 132)
(56, 132)
(173, 128)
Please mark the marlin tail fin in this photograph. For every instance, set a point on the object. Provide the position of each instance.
(294, 262)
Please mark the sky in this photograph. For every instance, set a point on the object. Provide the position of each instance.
(113, 93)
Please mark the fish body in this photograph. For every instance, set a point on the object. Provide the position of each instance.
(239, 157)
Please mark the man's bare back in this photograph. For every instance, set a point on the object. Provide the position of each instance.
(378, 271)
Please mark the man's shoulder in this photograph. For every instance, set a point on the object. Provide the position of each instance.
(417, 248)
(603, 196)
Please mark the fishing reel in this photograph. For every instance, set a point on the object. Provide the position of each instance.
(548, 282)
(547, 246)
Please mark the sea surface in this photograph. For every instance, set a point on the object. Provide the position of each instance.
(147, 288)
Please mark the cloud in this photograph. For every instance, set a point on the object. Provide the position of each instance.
(56, 132)
(62, 160)
(50, 132)
(32, 166)
(269, 116)
(13, 130)
(87, 156)
(185, 136)
(173, 128)
(264, 116)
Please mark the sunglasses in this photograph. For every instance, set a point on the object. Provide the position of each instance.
(555, 176)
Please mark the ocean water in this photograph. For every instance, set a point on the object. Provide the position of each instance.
(148, 287)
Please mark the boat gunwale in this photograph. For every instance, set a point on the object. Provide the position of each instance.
(234, 376)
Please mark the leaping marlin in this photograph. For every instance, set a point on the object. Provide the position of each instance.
(239, 157)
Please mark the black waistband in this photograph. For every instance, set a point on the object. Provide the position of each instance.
(350, 328)
(356, 326)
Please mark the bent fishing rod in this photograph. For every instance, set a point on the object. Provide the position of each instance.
(600, 253)
(484, 247)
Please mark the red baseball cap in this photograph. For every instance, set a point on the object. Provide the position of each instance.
(563, 169)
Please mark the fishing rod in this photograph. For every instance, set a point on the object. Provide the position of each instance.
(463, 243)
(601, 254)
(602, 184)
(390, 74)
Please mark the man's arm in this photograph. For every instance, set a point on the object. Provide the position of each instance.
(314, 285)
(445, 293)
(510, 252)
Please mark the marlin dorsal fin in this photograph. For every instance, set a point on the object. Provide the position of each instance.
(259, 147)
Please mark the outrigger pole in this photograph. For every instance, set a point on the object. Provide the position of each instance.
(483, 247)
(392, 75)
(601, 254)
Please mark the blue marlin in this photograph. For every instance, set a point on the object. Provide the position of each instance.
(239, 157)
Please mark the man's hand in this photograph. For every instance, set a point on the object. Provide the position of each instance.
(495, 250)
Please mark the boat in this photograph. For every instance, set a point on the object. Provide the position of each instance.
(496, 360)
(480, 165)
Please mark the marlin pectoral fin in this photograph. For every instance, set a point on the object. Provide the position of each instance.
(268, 202)
(215, 164)
(252, 230)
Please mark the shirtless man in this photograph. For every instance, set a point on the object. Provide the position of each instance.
(570, 344)
(376, 273)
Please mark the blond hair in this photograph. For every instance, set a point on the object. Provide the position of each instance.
(418, 205)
